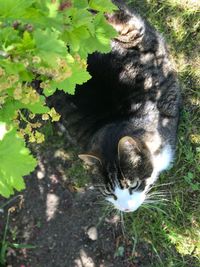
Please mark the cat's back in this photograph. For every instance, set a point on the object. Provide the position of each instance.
(136, 71)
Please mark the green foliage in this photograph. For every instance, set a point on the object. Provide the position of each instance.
(189, 178)
(16, 161)
(48, 41)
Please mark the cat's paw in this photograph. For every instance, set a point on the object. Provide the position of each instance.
(130, 28)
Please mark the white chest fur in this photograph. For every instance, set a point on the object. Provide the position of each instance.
(161, 161)
(161, 158)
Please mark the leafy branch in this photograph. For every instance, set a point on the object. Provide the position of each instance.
(48, 41)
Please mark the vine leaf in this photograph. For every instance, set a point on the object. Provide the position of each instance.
(48, 45)
(15, 162)
(102, 5)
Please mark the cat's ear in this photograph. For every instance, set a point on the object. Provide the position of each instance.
(90, 160)
(128, 149)
(128, 143)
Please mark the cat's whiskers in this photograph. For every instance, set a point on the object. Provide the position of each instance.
(161, 194)
(157, 195)
(101, 202)
(156, 201)
(159, 185)
(154, 187)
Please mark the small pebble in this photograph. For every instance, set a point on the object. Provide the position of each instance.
(40, 175)
(92, 233)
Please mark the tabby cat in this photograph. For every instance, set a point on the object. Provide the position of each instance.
(129, 111)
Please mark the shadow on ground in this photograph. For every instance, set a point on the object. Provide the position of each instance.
(65, 223)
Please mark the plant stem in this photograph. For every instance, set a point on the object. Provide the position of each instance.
(6, 229)
(10, 200)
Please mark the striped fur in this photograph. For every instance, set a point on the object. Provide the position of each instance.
(127, 114)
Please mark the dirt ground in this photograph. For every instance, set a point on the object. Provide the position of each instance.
(65, 222)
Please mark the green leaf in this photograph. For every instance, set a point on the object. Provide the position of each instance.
(26, 44)
(50, 90)
(3, 129)
(80, 4)
(20, 246)
(99, 39)
(8, 111)
(17, 68)
(103, 33)
(102, 5)
(16, 9)
(79, 76)
(11, 106)
(89, 46)
(76, 36)
(38, 107)
(81, 18)
(3, 251)
(48, 45)
(53, 7)
(15, 162)
(9, 36)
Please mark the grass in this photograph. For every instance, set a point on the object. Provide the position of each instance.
(172, 231)
(6, 246)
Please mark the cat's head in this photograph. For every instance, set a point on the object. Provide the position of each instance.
(126, 179)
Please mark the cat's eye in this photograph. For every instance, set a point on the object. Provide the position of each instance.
(112, 195)
(107, 193)
(135, 185)
(132, 188)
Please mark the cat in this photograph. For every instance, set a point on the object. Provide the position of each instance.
(129, 111)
